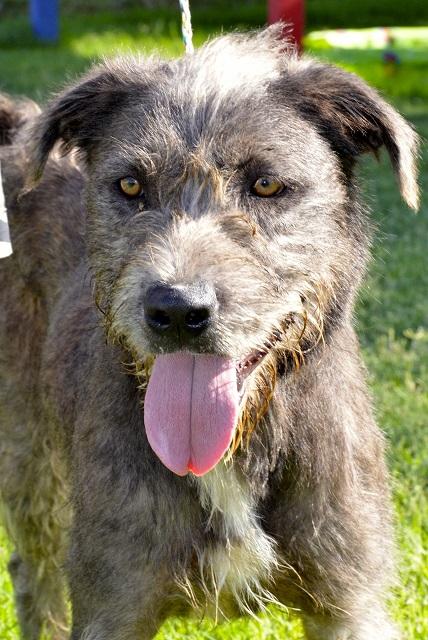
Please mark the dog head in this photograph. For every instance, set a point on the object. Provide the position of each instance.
(223, 229)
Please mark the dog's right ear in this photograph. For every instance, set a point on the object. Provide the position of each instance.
(75, 118)
(79, 116)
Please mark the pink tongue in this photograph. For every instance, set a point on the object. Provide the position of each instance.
(190, 410)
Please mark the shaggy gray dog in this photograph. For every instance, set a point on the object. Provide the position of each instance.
(184, 415)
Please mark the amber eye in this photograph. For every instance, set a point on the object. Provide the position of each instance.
(130, 187)
(265, 187)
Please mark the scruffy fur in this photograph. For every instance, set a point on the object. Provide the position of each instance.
(298, 512)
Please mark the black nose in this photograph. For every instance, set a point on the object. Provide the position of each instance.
(182, 308)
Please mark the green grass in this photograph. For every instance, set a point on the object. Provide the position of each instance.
(393, 306)
(321, 14)
(35, 69)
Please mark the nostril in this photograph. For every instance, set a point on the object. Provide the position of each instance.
(197, 318)
(158, 319)
(179, 309)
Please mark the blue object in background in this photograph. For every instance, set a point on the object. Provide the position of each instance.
(44, 16)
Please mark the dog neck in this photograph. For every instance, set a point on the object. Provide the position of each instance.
(243, 561)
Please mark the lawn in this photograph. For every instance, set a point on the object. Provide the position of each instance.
(393, 307)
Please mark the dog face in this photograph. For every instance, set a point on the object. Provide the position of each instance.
(223, 231)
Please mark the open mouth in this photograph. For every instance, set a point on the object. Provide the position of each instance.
(193, 404)
(247, 366)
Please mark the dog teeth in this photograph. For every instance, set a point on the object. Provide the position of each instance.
(246, 366)
(252, 360)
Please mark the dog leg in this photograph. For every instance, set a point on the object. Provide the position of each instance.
(23, 581)
(39, 592)
(34, 517)
(107, 629)
(120, 585)
(115, 613)
(29, 591)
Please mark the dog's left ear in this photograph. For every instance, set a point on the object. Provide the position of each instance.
(354, 119)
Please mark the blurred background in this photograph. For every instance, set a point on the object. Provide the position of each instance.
(391, 51)
(386, 42)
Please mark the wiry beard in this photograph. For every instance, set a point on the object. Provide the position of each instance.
(283, 351)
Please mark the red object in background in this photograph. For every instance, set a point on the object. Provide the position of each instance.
(292, 12)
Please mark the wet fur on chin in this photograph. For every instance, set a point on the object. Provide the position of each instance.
(299, 511)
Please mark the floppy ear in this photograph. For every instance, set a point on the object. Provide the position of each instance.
(354, 119)
(80, 115)
(74, 118)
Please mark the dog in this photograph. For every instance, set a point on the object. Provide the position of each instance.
(183, 407)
